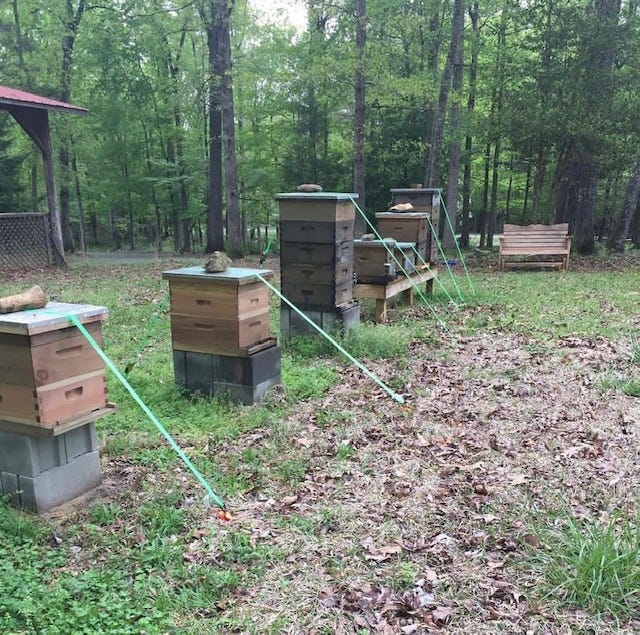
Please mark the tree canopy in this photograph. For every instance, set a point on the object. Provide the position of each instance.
(535, 101)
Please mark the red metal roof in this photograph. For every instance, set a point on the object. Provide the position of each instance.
(15, 97)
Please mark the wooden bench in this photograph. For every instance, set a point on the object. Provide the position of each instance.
(537, 243)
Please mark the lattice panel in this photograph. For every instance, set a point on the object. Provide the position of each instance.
(25, 240)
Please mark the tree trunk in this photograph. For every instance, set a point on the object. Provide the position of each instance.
(482, 216)
(457, 33)
(474, 14)
(493, 208)
(76, 178)
(359, 116)
(580, 182)
(432, 162)
(215, 223)
(527, 188)
(72, 22)
(235, 236)
(618, 235)
(538, 182)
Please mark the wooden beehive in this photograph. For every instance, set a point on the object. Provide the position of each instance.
(224, 313)
(408, 227)
(374, 262)
(316, 248)
(427, 200)
(49, 373)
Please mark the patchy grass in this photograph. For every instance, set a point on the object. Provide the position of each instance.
(352, 513)
(592, 565)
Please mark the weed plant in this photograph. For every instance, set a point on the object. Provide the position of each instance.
(591, 565)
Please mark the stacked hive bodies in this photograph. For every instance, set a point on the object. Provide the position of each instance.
(316, 260)
(412, 230)
(220, 332)
(52, 390)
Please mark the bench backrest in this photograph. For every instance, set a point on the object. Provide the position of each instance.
(532, 236)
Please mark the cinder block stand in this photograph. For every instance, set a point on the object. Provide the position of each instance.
(52, 391)
(40, 472)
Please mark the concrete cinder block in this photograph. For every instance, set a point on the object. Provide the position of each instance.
(345, 316)
(30, 456)
(80, 441)
(55, 486)
(244, 378)
(180, 367)
(247, 395)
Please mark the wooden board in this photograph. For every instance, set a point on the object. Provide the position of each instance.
(373, 261)
(319, 296)
(315, 254)
(36, 430)
(316, 232)
(311, 275)
(50, 404)
(213, 301)
(234, 276)
(198, 346)
(422, 199)
(188, 331)
(535, 242)
(404, 227)
(382, 293)
(49, 357)
(53, 317)
(316, 210)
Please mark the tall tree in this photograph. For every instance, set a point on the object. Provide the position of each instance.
(359, 115)
(594, 90)
(210, 16)
(235, 235)
(620, 229)
(474, 14)
(72, 18)
(457, 35)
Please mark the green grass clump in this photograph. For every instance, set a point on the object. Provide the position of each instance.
(366, 341)
(620, 383)
(593, 566)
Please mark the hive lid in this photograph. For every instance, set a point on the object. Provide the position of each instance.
(330, 196)
(231, 275)
(52, 317)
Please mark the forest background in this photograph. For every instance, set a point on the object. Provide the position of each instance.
(201, 111)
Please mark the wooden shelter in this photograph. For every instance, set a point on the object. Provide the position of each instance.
(32, 113)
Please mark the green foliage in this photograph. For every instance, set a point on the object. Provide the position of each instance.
(366, 341)
(621, 383)
(306, 381)
(595, 566)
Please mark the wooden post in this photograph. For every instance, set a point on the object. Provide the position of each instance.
(35, 123)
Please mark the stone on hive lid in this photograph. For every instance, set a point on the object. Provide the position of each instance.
(216, 262)
(368, 237)
(401, 207)
(309, 187)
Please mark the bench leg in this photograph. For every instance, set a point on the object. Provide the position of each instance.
(381, 310)
(408, 296)
(429, 287)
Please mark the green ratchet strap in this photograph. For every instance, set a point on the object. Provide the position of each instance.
(178, 450)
